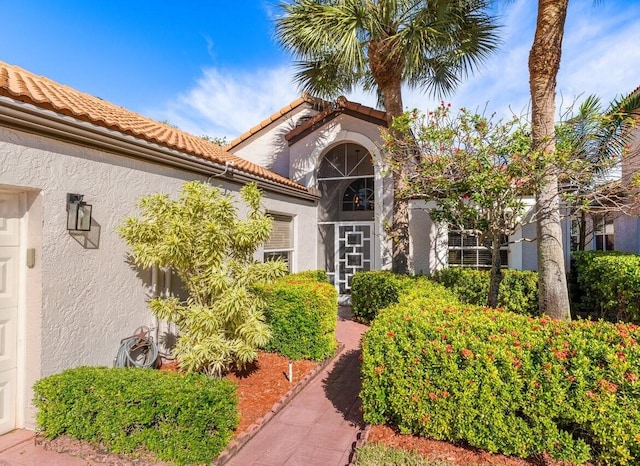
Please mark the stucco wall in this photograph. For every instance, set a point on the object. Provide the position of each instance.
(82, 297)
(627, 227)
(269, 148)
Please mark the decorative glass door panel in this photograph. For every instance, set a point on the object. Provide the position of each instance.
(353, 252)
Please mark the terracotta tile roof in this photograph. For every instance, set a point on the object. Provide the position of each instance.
(305, 99)
(342, 105)
(19, 84)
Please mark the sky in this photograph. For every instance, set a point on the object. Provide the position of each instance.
(214, 67)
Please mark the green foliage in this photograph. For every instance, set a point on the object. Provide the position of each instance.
(202, 239)
(375, 290)
(379, 455)
(313, 275)
(505, 382)
(302, 311)
(180, 418)
(591, 143)
(339, 45)
(608, 284)
(476, 173)
(518, 290)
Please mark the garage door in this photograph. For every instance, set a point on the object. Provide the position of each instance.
(9, 247)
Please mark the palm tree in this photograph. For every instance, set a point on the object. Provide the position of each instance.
(597, 139)
(544, 62)
(381, 45)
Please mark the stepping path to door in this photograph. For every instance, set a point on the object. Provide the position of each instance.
(320, 425)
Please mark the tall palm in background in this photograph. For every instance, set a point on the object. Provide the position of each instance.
(544, 62)
(380, 45)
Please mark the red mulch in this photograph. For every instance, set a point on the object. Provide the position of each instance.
(264, 384)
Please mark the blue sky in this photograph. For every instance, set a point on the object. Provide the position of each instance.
(213, 67)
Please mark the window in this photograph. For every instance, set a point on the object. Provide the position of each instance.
(466, 250)
(280, 244)
(359, 195)
(603, 233)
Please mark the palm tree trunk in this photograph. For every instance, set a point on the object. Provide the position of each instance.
(544, 62)
(392, 97)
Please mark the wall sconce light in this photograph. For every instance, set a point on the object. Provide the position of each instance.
(78, 213)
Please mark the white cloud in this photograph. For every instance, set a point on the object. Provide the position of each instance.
(600, 52)
(228, 102)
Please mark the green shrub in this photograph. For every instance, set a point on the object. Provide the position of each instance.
(371, 454)
(179, 418)
(302, 314)
(313, 275)
(504, 382)
(608, 284)
(518, 290)
(372, 291)
(206, 243)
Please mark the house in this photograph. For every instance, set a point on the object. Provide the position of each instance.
(68, 296)
(335, 147)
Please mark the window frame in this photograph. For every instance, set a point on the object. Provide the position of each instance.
(287, 252)
(474, 250)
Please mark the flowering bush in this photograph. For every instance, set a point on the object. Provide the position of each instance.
(505, 382)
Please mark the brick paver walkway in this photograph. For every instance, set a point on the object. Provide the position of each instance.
(320, 425)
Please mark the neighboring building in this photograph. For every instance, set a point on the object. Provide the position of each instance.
(67, 297)
(627, 227)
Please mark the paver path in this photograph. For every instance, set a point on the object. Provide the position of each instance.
(319, 426)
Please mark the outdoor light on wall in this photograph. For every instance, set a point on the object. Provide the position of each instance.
(78, 213)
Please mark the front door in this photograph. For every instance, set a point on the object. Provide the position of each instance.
(353, 252)
(9, 247)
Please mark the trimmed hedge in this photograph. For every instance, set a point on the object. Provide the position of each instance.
(608, 284)
(518, 290)
(504, 382)
(375, 290)
(179, 418)
(302, 313)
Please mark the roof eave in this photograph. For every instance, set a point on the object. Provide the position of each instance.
(27, 117)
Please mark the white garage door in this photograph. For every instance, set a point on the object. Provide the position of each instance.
(9, 247)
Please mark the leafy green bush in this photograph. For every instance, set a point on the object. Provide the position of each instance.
(371, 454)
(202, 238)
(608, 284)
(518, 289)
(505, 382)
(179, 418)
(372, 291)
(313, 275)
(302, 314)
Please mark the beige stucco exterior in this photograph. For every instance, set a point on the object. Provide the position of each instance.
(82, 296)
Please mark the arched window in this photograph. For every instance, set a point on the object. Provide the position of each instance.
(359, 195)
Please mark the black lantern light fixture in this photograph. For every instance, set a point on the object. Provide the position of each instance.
(78, 213)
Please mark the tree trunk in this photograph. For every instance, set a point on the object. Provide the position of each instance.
(582, 242)
(544, 62)
(496, 270)
(399, 232)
